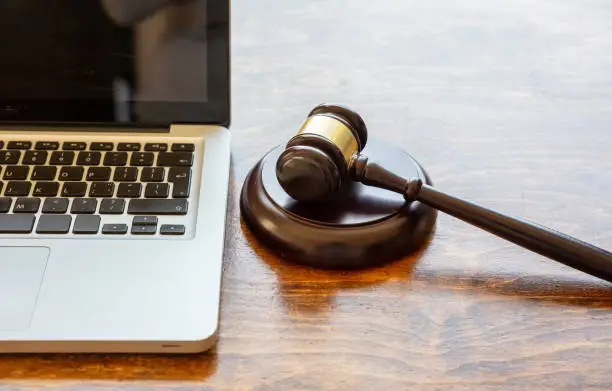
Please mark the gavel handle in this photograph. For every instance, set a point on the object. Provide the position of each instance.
(557, 246)
(542, 240)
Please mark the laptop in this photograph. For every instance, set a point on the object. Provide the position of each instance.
(114, 174)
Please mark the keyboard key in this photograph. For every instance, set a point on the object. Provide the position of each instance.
(183, 147)
(145, 220)
(102, 146)
(74, 189)
(156, 147)
(129, 190)
(74, 146)
(17, 189)
(128, 147)
(102, 189)
(158, 207)
(144, 230)
(172, 229)
(47, 145)
(46, 173)
(116, 159)
(125, 174)
(142, 159)
(86, 225)
(19, 145)
(152, 174)
(99, 174)
(181, 177)
(89, 158)
(157, 190)
(84, 206)
(115, 229)
(71, 174)
(60, 158)
(178, 159)
(179, 174)
(35, 157)
(26, 205)
(180, 189)
(5, 204)
(17, 224)
(46, 189)
(50, 224)
(113, 206)
(55, 205)
(16, 173)
(10, 157)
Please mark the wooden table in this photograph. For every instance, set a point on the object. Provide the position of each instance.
(506, 103)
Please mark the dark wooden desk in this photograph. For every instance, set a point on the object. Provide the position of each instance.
(507, 103)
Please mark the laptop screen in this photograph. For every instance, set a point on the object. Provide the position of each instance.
(123, 62)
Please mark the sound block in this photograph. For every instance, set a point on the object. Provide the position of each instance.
(363, 228)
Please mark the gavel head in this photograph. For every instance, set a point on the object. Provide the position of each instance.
(315, 163)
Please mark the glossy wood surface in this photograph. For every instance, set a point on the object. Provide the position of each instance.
(505, 103)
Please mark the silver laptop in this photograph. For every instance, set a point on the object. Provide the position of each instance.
(114, 167)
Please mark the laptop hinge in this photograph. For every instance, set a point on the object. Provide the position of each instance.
(84, 128)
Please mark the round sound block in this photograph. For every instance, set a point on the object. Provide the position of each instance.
(364, 227)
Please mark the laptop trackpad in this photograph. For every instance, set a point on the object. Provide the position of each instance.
(21, 274)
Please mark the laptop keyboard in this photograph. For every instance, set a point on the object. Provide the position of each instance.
(94, 188)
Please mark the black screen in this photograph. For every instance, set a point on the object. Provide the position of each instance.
(127, 62)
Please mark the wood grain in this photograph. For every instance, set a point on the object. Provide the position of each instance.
(506, 103)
